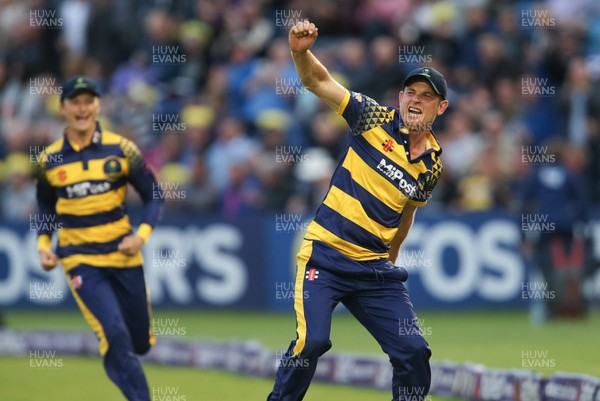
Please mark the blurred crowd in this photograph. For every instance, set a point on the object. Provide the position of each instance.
(208, 91)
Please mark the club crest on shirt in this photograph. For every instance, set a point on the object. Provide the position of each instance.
(112, 168)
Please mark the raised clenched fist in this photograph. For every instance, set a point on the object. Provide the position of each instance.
(302, 36)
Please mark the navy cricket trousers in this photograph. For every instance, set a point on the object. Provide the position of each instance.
(115, 304)
(374, 293)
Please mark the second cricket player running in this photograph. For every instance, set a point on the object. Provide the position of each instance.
(82, 185)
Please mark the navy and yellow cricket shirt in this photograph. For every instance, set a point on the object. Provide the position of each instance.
(85, 190)
(373, 182)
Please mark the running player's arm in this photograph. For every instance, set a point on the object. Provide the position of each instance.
(406, 222)
(144, 182)
(312, 73)
(46, 202)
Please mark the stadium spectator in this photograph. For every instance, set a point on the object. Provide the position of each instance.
(232, 147)
(201, 194)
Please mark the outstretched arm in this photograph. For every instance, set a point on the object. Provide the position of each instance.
(312, 73)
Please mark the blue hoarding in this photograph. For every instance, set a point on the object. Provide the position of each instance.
(454, 261)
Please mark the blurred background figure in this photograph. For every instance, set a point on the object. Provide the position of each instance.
(555, 223)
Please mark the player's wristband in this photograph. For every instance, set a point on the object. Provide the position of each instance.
(44, 243)
(144, 231)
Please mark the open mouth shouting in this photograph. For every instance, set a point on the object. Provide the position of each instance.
(82, 117)
(414, 113)
(415, 119)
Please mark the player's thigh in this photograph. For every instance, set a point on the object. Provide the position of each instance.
(316, 293)
(130, 290)
(315, 301)
(386, 311)
(96, 299)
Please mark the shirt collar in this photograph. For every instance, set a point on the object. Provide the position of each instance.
(96, 138)
(435, 145)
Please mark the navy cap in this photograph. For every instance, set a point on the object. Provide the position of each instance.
(79, 84)
(432, 76)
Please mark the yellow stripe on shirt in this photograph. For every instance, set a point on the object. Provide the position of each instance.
(352, 210)
(101, 233)
(372, 181)
(114, 259)
(317, 232)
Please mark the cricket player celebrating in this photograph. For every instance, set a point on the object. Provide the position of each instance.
(389, 167)
(82, 184)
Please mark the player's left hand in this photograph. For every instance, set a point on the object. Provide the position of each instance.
(131, 245)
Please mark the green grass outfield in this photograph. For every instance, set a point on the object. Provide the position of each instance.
(493, 338)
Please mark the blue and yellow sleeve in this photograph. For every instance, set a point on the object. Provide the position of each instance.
(46, 202)
(144, 182)
(363, 113)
